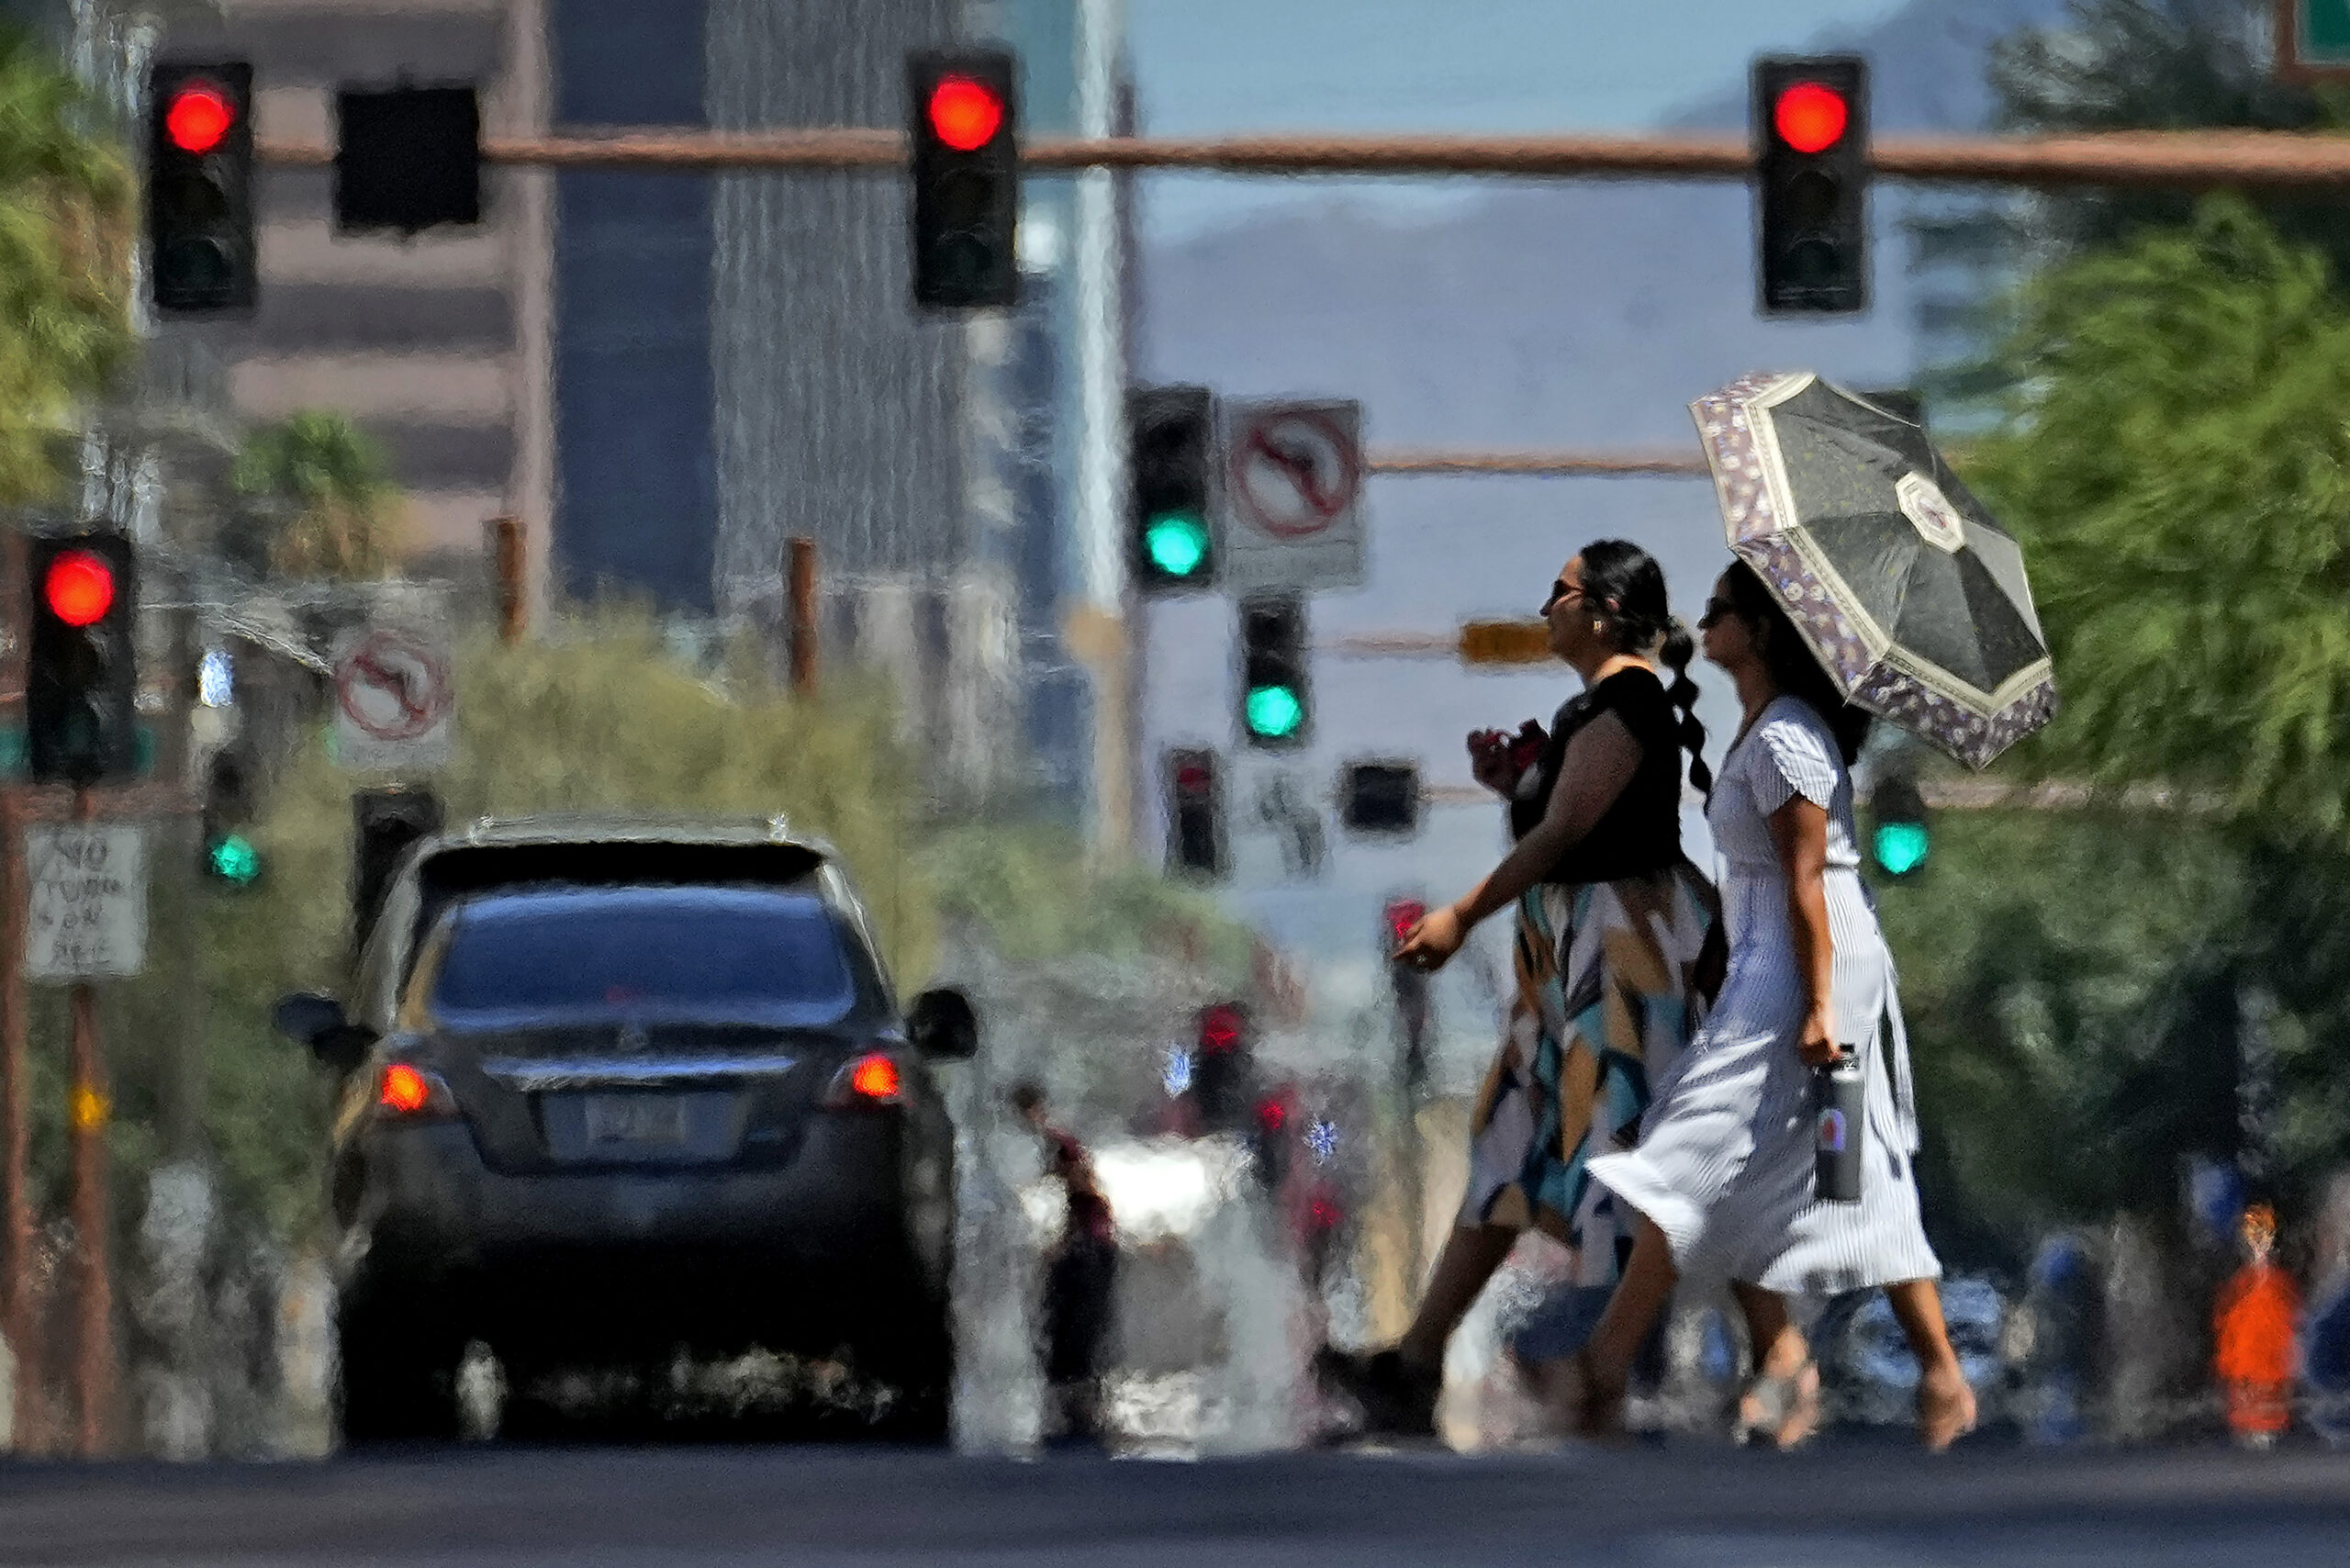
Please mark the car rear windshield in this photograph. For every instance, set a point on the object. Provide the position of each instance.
(728, 955)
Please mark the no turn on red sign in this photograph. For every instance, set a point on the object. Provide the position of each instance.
(1292, 493)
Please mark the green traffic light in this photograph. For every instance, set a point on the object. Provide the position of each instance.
(1177, 543)
(1274, 711)
(233, 859)
(1901, 847)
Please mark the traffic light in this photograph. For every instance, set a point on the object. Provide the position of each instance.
(200, 187)
(1899, 836)
(229, 856)
(81, 670)
(1276, 708)
(1811, 149)
(1380, 797)
(1170, 443)
(966, 177)
(384, 823)
(407, 158)
(1223, 1065)
(1194, 814)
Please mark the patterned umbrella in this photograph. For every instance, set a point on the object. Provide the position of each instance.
(1907, 591)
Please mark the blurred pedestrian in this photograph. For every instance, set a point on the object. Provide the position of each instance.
(1723, 1178)
(2256, 1329)
(1081, 1276)
(1612, 928)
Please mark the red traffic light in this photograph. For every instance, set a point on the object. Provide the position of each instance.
(1811, 117)
(965, 114)
(79, 589)
(1272, 1115)
(1219, 1029)
(198, 118)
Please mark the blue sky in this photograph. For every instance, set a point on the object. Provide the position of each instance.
(1205, 66)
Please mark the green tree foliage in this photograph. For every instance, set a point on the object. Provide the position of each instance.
(2174, 459)
(65, 243)
(2175, 464)
(331, 507)
(2160, 65)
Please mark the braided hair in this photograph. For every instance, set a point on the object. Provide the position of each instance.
(1789, 659)
(1624, 582)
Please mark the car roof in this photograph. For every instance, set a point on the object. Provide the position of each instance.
(553, 828)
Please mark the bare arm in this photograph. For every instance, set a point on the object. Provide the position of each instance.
(1599, 763)
(1799, 832)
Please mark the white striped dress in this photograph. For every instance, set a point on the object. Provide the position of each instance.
(1724, 1166)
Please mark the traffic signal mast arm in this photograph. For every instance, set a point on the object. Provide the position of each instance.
(2173, 159)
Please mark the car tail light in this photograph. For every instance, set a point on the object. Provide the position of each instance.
(411, 1094)
(874, 1079)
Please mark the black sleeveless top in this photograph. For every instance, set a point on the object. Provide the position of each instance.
(1641, 833)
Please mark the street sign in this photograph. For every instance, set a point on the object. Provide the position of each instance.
(2314, 36)
(1506, 642)
(1292, 493)
(87, 915)
(393, 700)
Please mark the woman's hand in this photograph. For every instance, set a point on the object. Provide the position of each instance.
(1498, 760)
(1817, 1043)
(1434, 940)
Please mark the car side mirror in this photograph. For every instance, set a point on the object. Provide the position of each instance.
(941, 1026)
(317, 1021)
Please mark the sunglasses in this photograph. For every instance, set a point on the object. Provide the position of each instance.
(1559, 588)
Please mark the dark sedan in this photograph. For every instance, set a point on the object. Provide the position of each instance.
(610, 1090)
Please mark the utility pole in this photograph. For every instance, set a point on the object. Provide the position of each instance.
(91, 1110)
(1097, 630)
(511, 565)
(16, 1165)
(800, 601)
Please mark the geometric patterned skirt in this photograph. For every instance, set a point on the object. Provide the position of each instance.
(1608, 992)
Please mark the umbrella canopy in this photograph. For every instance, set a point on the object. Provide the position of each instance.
(1907, 590)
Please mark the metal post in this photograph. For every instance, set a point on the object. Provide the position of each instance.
(91, 1110)
(16, 1164)
(507, 557)
(800, 592)
(1102, 635)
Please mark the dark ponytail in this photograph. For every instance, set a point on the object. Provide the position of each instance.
(1789, 659)
(1624, 583)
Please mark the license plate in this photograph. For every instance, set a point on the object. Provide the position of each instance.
(635, 1119)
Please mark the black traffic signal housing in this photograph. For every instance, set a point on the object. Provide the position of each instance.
(1811, 154)
(1276, 701)
(407, 158)
(1170, 528)
(384, 823)
(1380, 798)
(200, 253)
(964, 130)
(1195, 840)
(81, 660)
(231, 859)
(1224, 1067)
(1900, 835)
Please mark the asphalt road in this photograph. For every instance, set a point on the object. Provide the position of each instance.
(1706, 1507)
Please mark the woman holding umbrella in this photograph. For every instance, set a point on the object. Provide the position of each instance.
(1867, 574)
(1722, 1181)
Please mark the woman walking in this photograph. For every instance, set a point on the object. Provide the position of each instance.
(1612, 921)
(1722, 1181)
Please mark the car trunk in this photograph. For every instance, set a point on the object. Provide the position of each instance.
(622, 1094)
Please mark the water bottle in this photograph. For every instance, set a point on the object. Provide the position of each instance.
(1839, 1107)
